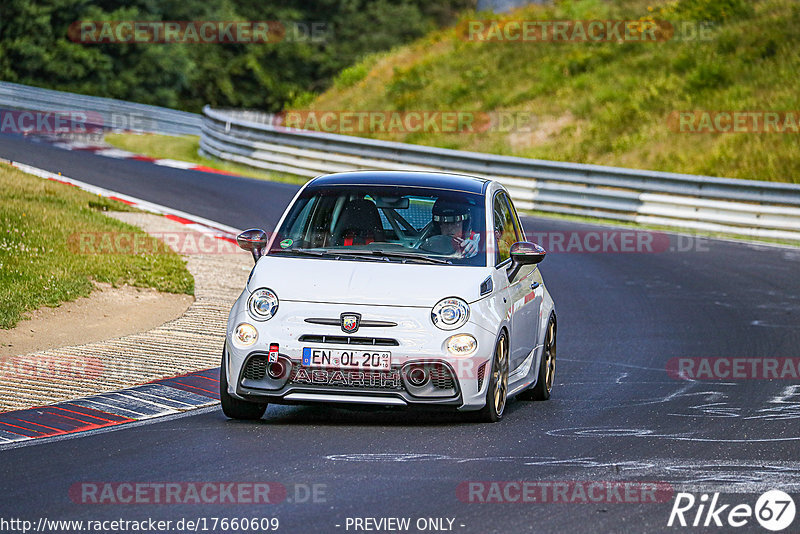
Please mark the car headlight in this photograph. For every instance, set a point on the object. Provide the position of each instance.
(462, 345)
(263, 304)
(450, 313)
(245, 335)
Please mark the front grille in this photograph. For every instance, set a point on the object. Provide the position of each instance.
(481, 370)
(256, 368)
(366, 323)
(347, 378)
(441, 378)
(349, 340)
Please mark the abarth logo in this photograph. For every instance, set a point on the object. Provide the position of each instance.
(350, 322)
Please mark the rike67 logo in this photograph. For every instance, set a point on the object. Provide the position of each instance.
(774, 510)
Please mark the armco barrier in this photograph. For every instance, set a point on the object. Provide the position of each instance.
(724, 205)
(113, 114)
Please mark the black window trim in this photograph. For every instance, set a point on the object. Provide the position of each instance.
(520, 230)
(517, 227)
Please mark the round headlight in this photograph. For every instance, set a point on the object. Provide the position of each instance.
(245, 335)
(263, 304)
(450, 313)
(462, 345)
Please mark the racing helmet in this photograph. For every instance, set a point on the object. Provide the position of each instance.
(447, 211)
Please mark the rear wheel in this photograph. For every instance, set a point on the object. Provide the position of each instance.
(497, 392)
(233, 407)
(547, 366)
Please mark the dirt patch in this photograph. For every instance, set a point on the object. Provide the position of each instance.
(107, 313)
(543, 131)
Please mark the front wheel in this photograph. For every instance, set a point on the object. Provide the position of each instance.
(547, 366)
(497, 392)
(233, 407)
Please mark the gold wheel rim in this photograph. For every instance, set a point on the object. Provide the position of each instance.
(550, 353)
(500, 376)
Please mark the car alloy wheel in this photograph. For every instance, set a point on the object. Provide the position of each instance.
(500, 376)
(550, 355)
(497, 390)
(233, 407)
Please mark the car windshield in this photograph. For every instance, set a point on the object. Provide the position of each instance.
(385, 223)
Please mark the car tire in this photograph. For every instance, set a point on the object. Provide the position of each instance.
(547, 366)
(497, 390)
(233, 407)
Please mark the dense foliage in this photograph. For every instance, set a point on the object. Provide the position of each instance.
(35, 48)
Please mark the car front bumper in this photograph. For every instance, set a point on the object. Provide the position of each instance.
(452, 381)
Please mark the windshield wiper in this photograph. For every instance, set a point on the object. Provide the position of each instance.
(392, 254)
(308, 252)
(327, 253)
(372, 254)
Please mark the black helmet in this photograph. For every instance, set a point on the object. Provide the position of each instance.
(447, 211)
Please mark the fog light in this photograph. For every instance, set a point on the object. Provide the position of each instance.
(245, 335)
(462, 345)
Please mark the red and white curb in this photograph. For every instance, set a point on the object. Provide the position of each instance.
(117, 153)
(166, 397)
(161, 398)
(192, 222)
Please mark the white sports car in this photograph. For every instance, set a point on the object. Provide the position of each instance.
(391, 289)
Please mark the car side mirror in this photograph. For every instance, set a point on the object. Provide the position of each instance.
(254, 240)
(524, 253)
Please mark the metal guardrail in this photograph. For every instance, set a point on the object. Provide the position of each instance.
(724, 205)
(112, 114)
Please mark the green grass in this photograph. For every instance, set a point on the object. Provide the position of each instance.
(40, 264)
(184, 148)
(605, 103)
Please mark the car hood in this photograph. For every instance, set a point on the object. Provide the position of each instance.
(365, 282)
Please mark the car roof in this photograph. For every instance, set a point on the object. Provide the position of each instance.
(433, 180)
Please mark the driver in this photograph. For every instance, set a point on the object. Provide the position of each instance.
(452, 219)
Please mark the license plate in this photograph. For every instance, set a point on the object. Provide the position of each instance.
(347, 359)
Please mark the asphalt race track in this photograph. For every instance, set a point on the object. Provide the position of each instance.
(616, 413)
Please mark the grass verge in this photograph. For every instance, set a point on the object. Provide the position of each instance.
(39, 266)
(184, 148)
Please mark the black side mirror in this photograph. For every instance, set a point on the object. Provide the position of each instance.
(254, 240)
(524, 253)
